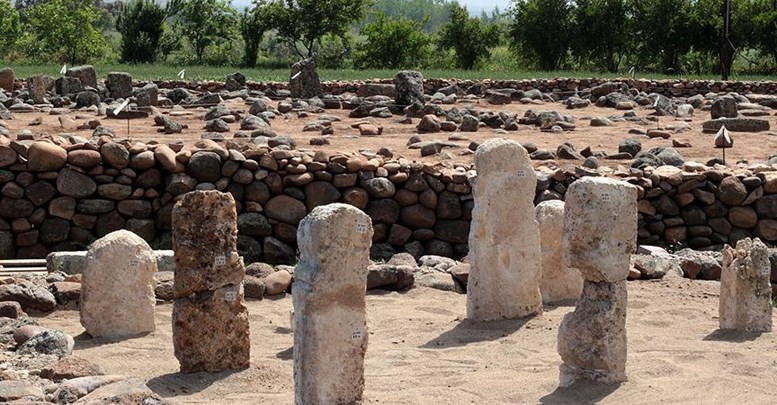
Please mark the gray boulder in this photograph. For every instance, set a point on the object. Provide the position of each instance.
(409, 87)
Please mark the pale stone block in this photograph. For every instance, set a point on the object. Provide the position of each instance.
(600, 228)
(210, 319)
(592, 339)
(504, 239)
(745, 291)
(117, 286)
(559, 283)
(330, 323)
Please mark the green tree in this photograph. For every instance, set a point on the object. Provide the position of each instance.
(252, 28)
(430, 13)
(601, 30)
(205, 22)
(141, 24)
(663, 30)
(65, 29)
(542, 29)
(9, 26)
(305, 22)
(470, 37)
(760, 20)
(392, 44)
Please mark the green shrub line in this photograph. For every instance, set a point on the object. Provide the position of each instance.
(218, 73)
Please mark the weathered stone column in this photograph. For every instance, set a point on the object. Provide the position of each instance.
(558, 283)
(210, 320)
(745, 291)
(504, 239)
(330, 323)
(117, 287)
(600, 232)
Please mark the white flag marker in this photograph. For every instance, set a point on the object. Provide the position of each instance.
(181, 73)
(121, 107)
(296, 75)
(63, 70)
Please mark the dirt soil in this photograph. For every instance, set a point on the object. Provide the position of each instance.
(422, 350)
(749, 146)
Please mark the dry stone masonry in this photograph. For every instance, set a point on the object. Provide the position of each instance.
(559, 283)
(745, 292)
(330, 323)
(210, 320)
(600, 220)
(117, 287)
(504, 240)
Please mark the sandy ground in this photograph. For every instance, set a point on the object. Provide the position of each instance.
(423, 351)
(750, 146)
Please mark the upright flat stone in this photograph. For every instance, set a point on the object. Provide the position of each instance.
(117, 286)
(409, 87)
(210, 320)
(86, 74)
(304, 81)
(559, 283)
(600, 231)
(36, 86)
(330, 323)
(600, 228)
(6, 79)
(504, 239)
(745, 291)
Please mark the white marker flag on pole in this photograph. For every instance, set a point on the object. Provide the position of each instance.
(63, 70)
(121, 107)
(296, 75)
(181, 73)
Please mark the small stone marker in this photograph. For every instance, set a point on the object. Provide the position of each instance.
(504, 279)
(745, 291)
(600, 231)
(117, 297)
(210, 320)
(559, 283)
(329, 321)
(36, 85)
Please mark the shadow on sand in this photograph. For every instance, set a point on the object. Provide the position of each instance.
(175, 384)
(86, 341)
(468, 331)
(580, 393)
(732, 335)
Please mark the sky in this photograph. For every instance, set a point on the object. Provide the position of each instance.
(474, 6)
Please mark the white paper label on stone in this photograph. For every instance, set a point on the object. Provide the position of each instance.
(361, 228)
(230, 295)
(357, 334)
(134, 263)
(521, 173)
(220, 260)
(605, 196)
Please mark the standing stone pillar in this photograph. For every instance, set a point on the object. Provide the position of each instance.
(600, 234)
(504, 239)
(559, 283)
(304, 81)
(117, 287)
(210, 320)
(330, 323)
(745, 291)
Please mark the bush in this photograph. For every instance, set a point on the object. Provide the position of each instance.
(392, 44)
(542, 28)
(471, 38)
(9, 26)
(141, 24)
(65, 30)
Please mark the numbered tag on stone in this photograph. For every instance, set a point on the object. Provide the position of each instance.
(521, 173)
(361, 227)
(220, 260)
(230, 294)
(134, 263)
(605, 196)
(356, 334)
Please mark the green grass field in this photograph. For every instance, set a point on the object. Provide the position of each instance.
(165, 72)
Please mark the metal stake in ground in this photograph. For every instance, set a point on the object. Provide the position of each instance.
(723, 140)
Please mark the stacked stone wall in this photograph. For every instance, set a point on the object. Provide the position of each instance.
(63, 197)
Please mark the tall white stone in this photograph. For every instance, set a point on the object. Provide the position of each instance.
(745, 290)
(600, 232)
(117, 287)
(559, 283)
(504, 239)
(329, 321)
